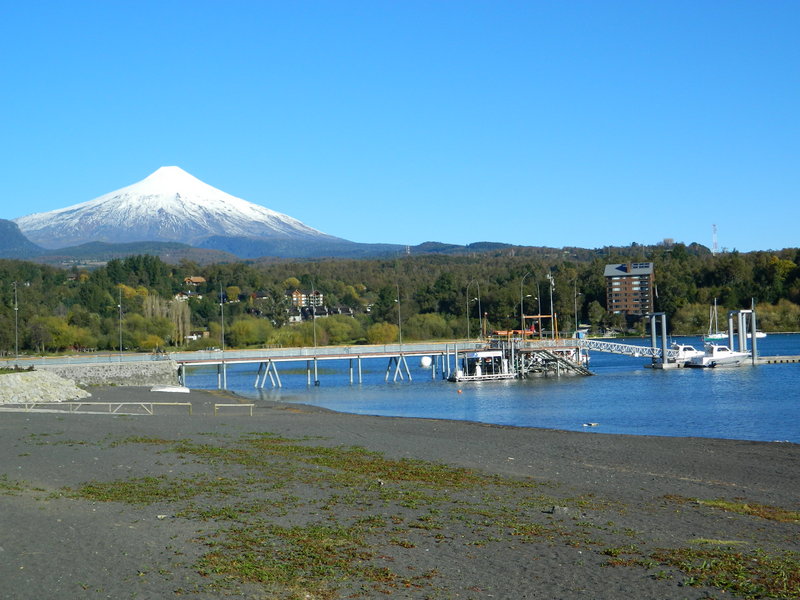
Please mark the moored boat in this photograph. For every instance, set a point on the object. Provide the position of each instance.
(685, 352)
(713, 326)
(716, 355)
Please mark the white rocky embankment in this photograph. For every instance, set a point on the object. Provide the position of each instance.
(161, 372)
(58, 383)
(38, 386)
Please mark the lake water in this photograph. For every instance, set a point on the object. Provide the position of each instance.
(748, 403)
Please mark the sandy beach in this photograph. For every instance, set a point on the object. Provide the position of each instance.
(299, 502)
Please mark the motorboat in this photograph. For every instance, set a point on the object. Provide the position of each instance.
(685, 352)
(483, 365)
(716, 355)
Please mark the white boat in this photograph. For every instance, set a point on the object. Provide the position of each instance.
(686, 352)
(716, 355)
(713, 326)
(719, 335)
(483, 365)
(759, 335)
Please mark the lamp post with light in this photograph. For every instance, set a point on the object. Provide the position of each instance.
(468, 301)
(16, 321)
(399, 320)
(119, 307)
(552, 316)
(521, 302)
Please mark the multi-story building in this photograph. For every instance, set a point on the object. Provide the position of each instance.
(629, 288)
(302, 298)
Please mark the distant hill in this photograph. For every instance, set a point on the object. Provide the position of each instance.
(14, 244)
(294, 248)
(440, 248)
(100, 252)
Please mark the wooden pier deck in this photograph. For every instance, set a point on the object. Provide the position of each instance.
(776, 360)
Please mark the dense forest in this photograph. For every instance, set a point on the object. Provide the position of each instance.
(145, 304)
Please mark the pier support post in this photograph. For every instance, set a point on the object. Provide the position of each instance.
(731, 341)
(654, 318)
(742, 331)
(270, 369)
(258, 375)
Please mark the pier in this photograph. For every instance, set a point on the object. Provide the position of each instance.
(443, 358)
(529, 358)
(526, 357)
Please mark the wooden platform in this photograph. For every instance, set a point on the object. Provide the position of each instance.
(776, 360)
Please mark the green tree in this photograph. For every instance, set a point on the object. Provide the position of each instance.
(382, 333)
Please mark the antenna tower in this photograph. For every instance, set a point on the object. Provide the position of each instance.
(714, 247)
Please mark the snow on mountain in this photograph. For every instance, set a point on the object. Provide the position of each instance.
(170, 206)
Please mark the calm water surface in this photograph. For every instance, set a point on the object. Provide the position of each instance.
(750, 403)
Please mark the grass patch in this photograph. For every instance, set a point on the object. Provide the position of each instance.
(10, 487)
(712, 542)
(305, 520)
(312, 559)
(752, 575)
(149, 490)
(739, 506)
(762, 511)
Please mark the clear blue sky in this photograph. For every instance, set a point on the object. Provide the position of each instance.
(538, 123)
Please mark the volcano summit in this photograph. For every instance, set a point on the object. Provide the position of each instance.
(168, 206)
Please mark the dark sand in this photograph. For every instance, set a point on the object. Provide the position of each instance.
(598, 498)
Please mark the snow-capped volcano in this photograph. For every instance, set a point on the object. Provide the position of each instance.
(168, 206)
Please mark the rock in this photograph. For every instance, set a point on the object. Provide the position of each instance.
(160, 372)
(38, 386)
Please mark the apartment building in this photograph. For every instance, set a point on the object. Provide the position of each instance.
(629, 288)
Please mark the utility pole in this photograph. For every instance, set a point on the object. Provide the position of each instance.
(222, 318)
(552, 316)
(119, 306)
(16, 321)
(399, 321)
(521, 301)
(468, 301)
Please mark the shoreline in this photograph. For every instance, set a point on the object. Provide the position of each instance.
(648, 486)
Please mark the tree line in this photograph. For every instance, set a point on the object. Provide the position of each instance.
(135, 302)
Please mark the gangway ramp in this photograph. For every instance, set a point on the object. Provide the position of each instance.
(625, 349)
(565, 363)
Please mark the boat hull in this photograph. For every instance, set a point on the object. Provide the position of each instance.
(718, 356)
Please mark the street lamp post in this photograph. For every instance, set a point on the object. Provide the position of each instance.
(552, 317)
(16, 322)
(521, 301)
(222, 318)
(119, 306)
(468, 301)
(399, 320)
(480, 314)
(576, 293)
(313, 302)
